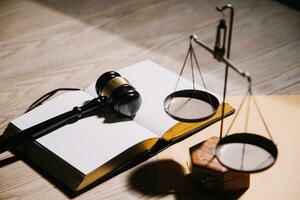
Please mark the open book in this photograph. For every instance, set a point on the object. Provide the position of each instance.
(95, 147)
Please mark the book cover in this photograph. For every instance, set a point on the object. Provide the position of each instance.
(99, 146)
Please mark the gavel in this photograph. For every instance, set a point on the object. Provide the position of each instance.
(114, 92)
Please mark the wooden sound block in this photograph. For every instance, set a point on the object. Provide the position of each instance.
(209, 174)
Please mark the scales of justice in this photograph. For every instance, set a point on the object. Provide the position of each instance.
(244, 152)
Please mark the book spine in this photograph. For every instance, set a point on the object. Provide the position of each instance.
(159, 146)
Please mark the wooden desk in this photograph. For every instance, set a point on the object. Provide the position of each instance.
(49, 44)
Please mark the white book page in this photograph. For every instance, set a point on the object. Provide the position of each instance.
(154, 83)
(88, 143)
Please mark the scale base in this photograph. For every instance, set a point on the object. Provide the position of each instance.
(210, 175)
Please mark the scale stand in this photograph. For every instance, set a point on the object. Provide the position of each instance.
(243, 152)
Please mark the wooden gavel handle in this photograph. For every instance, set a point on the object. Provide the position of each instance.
(45, 127)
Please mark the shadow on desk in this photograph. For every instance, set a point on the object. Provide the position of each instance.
(155, 179)
(8, 161)
(167, 177)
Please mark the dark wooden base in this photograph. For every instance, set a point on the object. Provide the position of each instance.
(209, 174)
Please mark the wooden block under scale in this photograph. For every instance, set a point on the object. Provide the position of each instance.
(209, 174)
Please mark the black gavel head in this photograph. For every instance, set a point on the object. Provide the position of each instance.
(120, 95)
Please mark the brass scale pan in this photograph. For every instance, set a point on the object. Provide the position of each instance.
(246, 152)
(191, 105)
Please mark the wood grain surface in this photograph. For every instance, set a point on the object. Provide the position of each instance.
(46, 44)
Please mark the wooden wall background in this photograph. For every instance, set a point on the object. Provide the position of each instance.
(46, 44)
